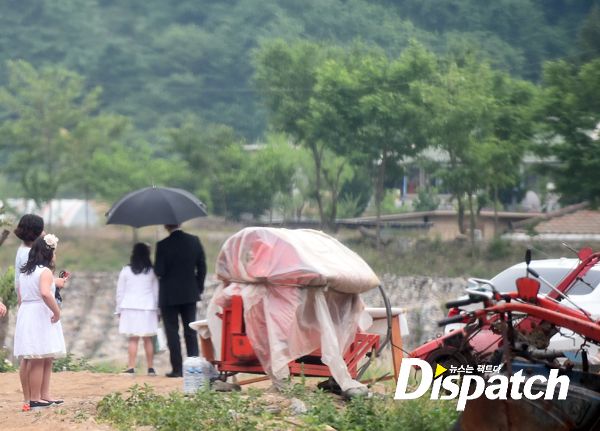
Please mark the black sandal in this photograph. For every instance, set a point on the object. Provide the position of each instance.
(39, 404)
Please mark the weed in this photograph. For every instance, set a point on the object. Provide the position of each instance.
(70, 363)
(140, 406)
(6, 366)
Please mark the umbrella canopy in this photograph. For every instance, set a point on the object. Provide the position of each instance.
(155, 205)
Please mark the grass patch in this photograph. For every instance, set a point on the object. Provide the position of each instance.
(405, 255)
(141, 406)
(108, 248)
(6, 366)
(71, 363)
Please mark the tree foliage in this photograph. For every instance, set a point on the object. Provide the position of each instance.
(570, 115)
(41, 108)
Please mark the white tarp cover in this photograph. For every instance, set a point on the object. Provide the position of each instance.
(300, 290)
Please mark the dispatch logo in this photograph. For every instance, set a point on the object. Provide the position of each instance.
(470, 386)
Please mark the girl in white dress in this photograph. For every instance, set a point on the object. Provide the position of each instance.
(30, 227)
(137, 305)
(38, 333)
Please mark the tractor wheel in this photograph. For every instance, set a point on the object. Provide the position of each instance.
(450, 357)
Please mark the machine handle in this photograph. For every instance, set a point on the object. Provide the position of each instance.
(461, 302)
(454, 319)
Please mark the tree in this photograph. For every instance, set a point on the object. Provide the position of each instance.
(589, 35)
(482, 120)
(131, 164)
(570, 113)
(365, 106)
(512, 132)
(461, 108)
(89, 137)
(37, 107)
(286, 76)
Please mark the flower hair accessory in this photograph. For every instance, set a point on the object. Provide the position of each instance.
(51, 240)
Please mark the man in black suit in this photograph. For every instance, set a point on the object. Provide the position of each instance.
(180, 266)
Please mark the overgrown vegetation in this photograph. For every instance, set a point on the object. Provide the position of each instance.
(8, 295)
(406, 255)
(140, 406)
(6, 365)
(72, 363)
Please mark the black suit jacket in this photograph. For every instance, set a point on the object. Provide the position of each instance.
(180, 266)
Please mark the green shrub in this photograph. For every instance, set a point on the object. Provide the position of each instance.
(5, 365)
(499, 248)
(427, 199)
(70, 363)
(8, 295)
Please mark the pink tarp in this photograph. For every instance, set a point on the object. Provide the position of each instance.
(300, 290)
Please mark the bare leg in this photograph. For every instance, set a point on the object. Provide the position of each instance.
(149, 349)
(45, 390)
(36, 374)
(23, 375)
(132, 350)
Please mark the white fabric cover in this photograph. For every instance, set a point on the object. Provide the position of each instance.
(300, 290)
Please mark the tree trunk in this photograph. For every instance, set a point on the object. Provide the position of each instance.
(495, 211)
(87, 206)
(3, 237)
(3, 329)
(461, 214)
(335, 186)
(379, 198)
(317, 160)
(472, 223)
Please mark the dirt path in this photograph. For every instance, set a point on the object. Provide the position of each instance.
(81, 392)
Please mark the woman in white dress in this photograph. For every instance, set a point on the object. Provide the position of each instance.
(38, 333)
(137, 305)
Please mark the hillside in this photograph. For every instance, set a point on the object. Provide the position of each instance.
(159, 61)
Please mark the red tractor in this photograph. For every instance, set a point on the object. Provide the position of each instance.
(535, 318)
(514, 329)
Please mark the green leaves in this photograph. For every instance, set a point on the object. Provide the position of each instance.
(569, 109)
(40, 108)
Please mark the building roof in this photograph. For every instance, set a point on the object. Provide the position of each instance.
(446, 213)
(584, 221)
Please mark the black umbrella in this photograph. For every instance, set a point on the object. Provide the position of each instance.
(155, 205)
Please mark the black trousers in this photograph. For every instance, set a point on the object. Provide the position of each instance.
(170, 315)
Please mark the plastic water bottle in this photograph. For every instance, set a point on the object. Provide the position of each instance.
(194, 375)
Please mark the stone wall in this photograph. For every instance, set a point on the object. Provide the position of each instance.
(91, 328)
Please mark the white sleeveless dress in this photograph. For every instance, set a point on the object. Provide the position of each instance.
(35, 335)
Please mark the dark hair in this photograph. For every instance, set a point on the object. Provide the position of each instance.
(140, 258)
(30, 227)
(40, 254)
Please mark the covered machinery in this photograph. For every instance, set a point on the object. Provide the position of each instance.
(289, 302)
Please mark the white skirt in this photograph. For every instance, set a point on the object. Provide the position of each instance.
(35, 336)
(138, 323)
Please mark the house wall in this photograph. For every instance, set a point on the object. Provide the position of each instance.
(446, 227)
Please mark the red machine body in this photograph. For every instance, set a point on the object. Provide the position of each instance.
(237, 354)
(467, 345)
